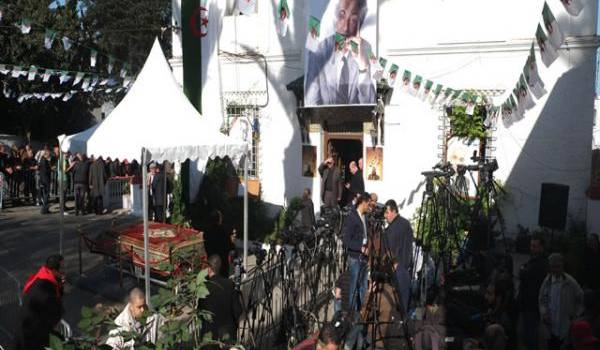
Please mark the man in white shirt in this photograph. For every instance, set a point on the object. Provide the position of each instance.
(128, 322)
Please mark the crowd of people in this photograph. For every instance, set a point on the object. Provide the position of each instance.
(547, 309)
(31, 177)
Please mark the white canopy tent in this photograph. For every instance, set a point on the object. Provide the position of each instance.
(156, 122)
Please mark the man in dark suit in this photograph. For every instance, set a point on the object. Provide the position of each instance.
(223, 302)
(356, 184)
(42, 305)
(331, 183)
(45, 172)
(308, 211)
(159, 194)
(217, 241)
(398, 241)
(97, 180)
(354, 232)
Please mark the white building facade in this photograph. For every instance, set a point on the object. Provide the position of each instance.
(466, 44)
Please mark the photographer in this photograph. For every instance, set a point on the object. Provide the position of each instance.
(399, 245)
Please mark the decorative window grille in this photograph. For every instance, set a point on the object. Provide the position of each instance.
(242, 114)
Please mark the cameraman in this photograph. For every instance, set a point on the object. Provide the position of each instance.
(399, 245)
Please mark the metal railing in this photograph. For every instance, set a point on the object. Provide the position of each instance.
(23, 187)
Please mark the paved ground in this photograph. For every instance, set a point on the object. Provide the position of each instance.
(27, 238)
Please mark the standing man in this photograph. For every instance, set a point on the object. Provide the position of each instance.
(398, 240)
(560, 301)
(308, 211)
(158, 193)
(357, 183)
(45, 172)
(222, 301)
(331, 182)
(355, 242)
(531, 276)
(42, 305)
(80, 169)
(97, 180)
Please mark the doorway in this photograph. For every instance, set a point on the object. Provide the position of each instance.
(349, 148)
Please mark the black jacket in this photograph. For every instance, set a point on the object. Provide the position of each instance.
(531, 276)
(357, 183)
(81, 172)
(224, 303)
(353, 234)
(158, 189)
(41, 312)
(217, 241)
(44, 171)
(399, 239)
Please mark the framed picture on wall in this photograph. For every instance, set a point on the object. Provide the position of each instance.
(374, 164)
(309, 160)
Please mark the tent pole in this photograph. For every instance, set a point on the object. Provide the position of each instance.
(145, 215)
(246, 212)
(61, 197)
(165, 201)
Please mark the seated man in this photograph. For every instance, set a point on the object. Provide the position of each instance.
(128, 322)
(223, 302)
(327, 339)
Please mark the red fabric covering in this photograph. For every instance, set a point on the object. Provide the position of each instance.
(583, 339)
(43, 273)
(308, 344)
(181, 234)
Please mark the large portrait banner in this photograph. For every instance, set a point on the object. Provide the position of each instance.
(340, 57)
(374, 165)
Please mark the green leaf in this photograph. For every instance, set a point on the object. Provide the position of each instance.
(85, 324)
(55, 343)
(86, 312)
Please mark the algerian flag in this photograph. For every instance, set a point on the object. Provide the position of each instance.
(1, 13)
(93, 57)
(44, 96)
(456, 95)
(556, 36)
(573, 7)
(406, 77)
(103, 82)
(283, 11)
(414, 88)
(524, 94)
(393, 74)
(246, 7)
(56, 95)
(6, 91)
(471, 102)
(111, 64)
(32, 73)
(108, 90)
(25, 26)
(507, 117)
(49, 38)
(17, 71)
(436, 93)
(447, 96)
(547, 52)
(78, 78)
(47, 75)
(530, 71)
(517, 111)
(340, 42)
(354, 47)
(492, 116)
(67, 96)
(86, 84)
(64, 77)
(3, 69)
(426, 90)
(67, 43)
(314, 31)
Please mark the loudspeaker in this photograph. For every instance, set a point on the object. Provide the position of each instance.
(554, 201)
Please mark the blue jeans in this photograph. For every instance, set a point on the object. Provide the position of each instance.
(403, 285)
(357, 270)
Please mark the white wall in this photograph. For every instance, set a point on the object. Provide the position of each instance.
(465, 44)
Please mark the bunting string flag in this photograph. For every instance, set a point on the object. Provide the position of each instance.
(284, 14)
(573, 7)
(554, 32)
(246, 7)
(314, 30)
(66, 43)
(49, 38)
(25, 26)
(547, 51)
